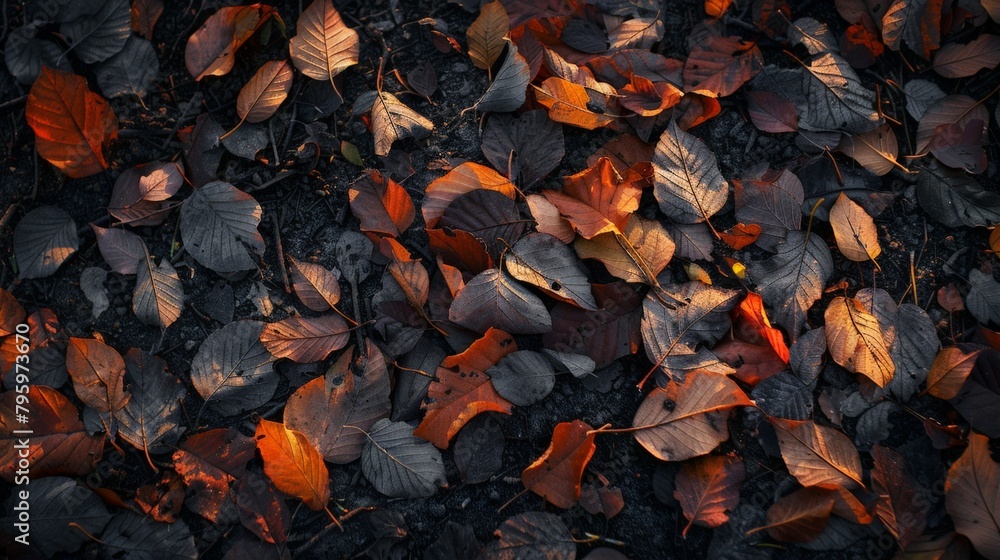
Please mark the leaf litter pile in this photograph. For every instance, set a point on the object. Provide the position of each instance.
(604, 278)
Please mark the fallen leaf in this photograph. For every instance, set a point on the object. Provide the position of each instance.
(949, 371)
(962, 61)
(264, 92)
(43, 240)
(151, 420)
(948, 110)
(293, 464)
(960, 147)
(381, 204)
(305, 339)
(604, 335)
(955, 199)
(915, 22)
(323, 45)
(317, 288)
(535, 534)
(391, 120)
(637, 254)
(130, 534)
(73, 125)
(898, 505)
(556, 475)
(219, 227)
(647, 98)
(493, 299)
(596, 200)
(399, 464)
(972, 496)
(524, 148)
(262, 509)
(875, 150)
(98, 373)
(334, 411)
(573, 104)
(719, 66)
(836, 99)
(771, 112)
(689, 186)
(687, 419)
(800, 516)
(546, 263)
(818, 455)
(508, 89)
(464, 179)
(855, 340)
(131, 71)
(461, 389)
(210, 462)
(145, 14)
(854, 229)
(210, 50)
(524, 377)
(708, 488)
(100, 34)
(486, 35)
(232, 371)
(158, 297)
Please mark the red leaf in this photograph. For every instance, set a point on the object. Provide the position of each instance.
(383, 206)
(209, 462)
(771, 112)
(293, 464)
(708, 488)
(718, 66)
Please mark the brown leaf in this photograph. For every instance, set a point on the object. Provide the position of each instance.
(461, 389)
(972, 496)
(263, 510)
(855, 340)
(800, 516)
(317, 288)
(145, 14)
(459, 249)
(854, 229)
(486, 35)
(647, 98)
(875, 150)
(383, 206)
(305, 339)
(11, 314)
(604, 335)
(899, 506)
(949, 371)
(638, 254)
(407, 272)
(293, 464)
(960, 146)
(73, 125)
(556, 475)
(264, 92)
(817, 455)
(323, 45)
(708, 488)
(493, 299)
(718, 66)
(98, 373)
(687, 419)
(334, 411)
(546, 263)
(163, 499)
(210, 50)
(962, 61)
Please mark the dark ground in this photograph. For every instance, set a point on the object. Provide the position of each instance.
(311, 213)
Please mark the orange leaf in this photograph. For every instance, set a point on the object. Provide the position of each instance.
(715, 8)
(573, 104)
(11, 313)
(209, 462)
(740, 235)
(596, 200)
(72, 124)
(647, 98)
(459, 249)
(462, 390)
(718, 66)
(98, 373)
(751, 313)
(708, 488)
(265, 92)
(383, 206)
(293, 464)
(556, 475)
(407, 272)
(949, 371)
(145, 13)
(463, 179)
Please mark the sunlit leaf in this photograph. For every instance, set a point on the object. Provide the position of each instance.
(293, 464)
(556, 475)
(689, 185)
(323, 45)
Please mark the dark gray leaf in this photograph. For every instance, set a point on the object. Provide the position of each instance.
(479, 448)
(508, 89)
(137, 537)
(523, 377)
(412, 379)
(151, 418)
(955, 199)
(131, 71)
(399, 464)
(774, 202)
(487, 214)
(913, 351)
(979, 398)
(25, 54)
(43, 240)
(423, 79)
(838, 535)
(983, 300)
(456, 542)
(813, 35)
(92, 285)
(576, 364)
(550, 265)
(785, 395)
(920, 96)
(247, 140)
(873, 425)
(98, 36)
(805, 356)
(692, 241)
(794, 278)
(534, 536)
(354, 252)
(232, 370)
(219, 227)
(203, 152)
(689, 185)
(121, 249)
(836, 100)
(524, 148)
(55, 502)
(494, 299)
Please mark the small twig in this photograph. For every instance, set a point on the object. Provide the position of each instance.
(12, 102)
(281, 254)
